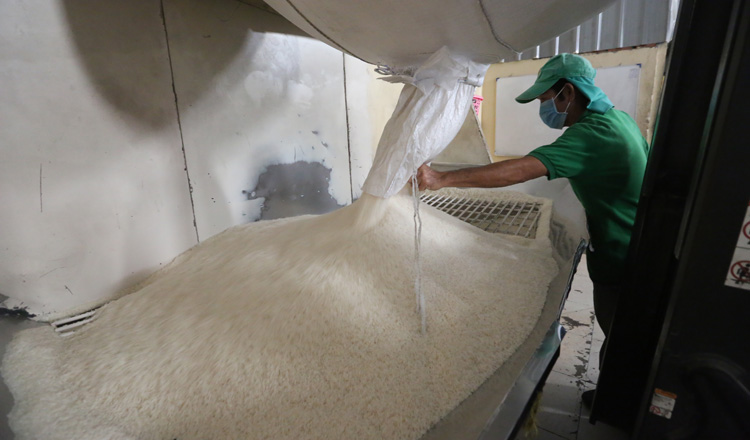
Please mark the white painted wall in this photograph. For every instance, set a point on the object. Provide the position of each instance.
(107, 109)
(278, 100)
(91, 176)
(517, 127)
(378, 99)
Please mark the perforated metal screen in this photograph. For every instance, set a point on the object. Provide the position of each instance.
(504, 217)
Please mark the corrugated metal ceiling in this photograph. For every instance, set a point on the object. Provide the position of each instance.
(627, 23)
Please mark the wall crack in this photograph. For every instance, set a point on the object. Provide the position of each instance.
(348, 129)
(179, 120)
(41, 200)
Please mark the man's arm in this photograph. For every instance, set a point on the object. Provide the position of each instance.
(494, 175)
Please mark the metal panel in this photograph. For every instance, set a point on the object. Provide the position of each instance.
(369, 106)
(646, 22)
(546, 49)
(624, 24)
(610, 28)
(502, 217)
(589, 35)
(568, 41)
(268, 138)
(696, 64)
(117, 115)
(92, 178)
(702, 359)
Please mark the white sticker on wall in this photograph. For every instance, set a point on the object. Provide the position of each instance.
(739, 269)
(662, 403)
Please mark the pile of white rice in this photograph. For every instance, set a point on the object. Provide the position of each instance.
(300, 328)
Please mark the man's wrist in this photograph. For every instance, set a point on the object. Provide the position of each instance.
(443, 179)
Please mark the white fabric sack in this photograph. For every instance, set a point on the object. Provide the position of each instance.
(430, 111)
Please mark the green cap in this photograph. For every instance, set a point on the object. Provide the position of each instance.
(578, 71)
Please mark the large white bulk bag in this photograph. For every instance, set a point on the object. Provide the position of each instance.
(431, 109)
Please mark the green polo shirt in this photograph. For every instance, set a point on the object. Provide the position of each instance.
(604, 158)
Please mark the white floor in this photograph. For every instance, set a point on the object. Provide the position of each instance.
(561, 414)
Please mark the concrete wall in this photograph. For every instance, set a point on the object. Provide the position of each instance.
(133, 129)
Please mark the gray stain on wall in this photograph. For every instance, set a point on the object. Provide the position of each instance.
(293, 189)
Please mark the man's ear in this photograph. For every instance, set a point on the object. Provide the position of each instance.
(569, 92)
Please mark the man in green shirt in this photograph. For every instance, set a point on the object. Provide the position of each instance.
(603, 155)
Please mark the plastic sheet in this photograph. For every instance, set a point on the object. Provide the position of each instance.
(430, 111)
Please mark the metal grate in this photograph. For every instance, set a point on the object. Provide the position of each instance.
(68, 326)
(503, 217)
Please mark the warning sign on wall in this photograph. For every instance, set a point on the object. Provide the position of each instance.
(739, 269)
(662, 403)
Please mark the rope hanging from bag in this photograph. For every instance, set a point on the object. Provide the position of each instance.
(417, 254)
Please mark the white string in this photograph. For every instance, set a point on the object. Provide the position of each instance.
(417, 252)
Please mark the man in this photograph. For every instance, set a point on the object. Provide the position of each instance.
(603, 155)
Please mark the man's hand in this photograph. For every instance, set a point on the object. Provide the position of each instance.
(494, 175)
(429, 178)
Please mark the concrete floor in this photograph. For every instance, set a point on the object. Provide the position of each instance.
(561, 414)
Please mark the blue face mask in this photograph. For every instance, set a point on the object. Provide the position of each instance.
(549, 114)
